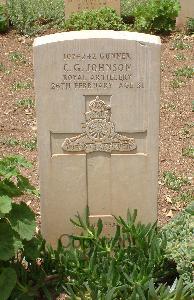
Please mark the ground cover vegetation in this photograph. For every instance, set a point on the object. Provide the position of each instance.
(33, 17)
(138, 262)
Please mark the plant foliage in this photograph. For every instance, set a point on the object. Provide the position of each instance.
(4, 22)
(179, 233)
(17, 221)
(104, 19)
(156, 16)
(33, 16)
(190, 26)
(174, 182)
(137, 262)
(130, 265)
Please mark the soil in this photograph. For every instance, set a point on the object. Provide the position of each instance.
(176, 122)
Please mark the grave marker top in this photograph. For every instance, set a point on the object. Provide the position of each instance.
(97, 98)
(74, 6)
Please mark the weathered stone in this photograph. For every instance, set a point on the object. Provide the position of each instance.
(186, 12)
(74, 6)
(97, 95)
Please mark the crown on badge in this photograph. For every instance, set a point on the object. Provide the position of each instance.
(98, 105)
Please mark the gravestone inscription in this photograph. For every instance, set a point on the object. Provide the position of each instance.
(74, 6)
(97, 95)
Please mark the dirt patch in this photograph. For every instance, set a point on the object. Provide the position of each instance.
(18, 119)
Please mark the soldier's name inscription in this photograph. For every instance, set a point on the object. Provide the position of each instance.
(97, 70)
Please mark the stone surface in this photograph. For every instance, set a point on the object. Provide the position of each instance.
(187, 11)
(97, 98)
(73, 6)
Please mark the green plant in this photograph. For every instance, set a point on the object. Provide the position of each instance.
(188, 152)
(186, 131)
(190, 26)
(177, 82)
(4, 69)
(17, 86)
(34, 16)
(185, 197)
(180, 57)
(179, 233)
(17, 221)
(174, 182)
(17, 57)
(187, 72)
(12, 142)
(4, 21)
(156, 16)
(127, 9)
(132, 264)
(30, 145)
(179, 44)
(192, 103)
(104, 18)
(25, 102)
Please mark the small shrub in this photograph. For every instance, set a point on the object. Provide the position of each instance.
(174, 182)
(180, 57)
(132, 264)
(179, 233)
(185, 197)
(17, 57)
(187, 72)
(33, 16)
(156, 16)
(2, 67)
(127, 9)
(104, 19)
(179, 44)
(24, 144)
(4, 21)
(17, 86)
(17, 221)
(190, 26)
(177, 82)
(189, 152)
(25, 103)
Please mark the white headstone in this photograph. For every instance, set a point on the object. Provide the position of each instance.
(97, 96)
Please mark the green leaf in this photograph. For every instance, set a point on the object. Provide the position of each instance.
(179, 289)
(5, 204)
(8, 280)
(110, 294)
(24, 185)
(22, 220)
(10, 189)
(99, 227)
(8, 242)
(190, 208)
(152, 291)
(32, 248)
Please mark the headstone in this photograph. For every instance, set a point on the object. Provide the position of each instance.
(74, 6)
(186, 12)
(97, 96)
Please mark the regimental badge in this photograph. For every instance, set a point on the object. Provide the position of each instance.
(98, 133)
